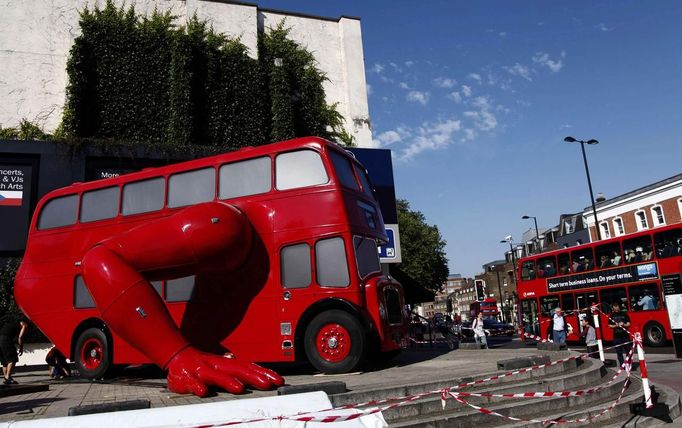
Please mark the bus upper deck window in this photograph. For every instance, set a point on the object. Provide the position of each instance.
(192, 187)
(366, 188)
(296, 266)
(249, 177)
(300, 168)
(528, 270)
(59, 212)
(344, 171)
(143, 196)
(546, 267)
(99, 204)
(668, 243)
(638, 249)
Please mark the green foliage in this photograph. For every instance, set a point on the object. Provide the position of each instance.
(422, 248)
(144, 80)
(25, 131)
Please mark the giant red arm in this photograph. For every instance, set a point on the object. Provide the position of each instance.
(202, 237)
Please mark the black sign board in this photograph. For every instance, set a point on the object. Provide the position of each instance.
(672, 293)
(619, 275)
(17, 199)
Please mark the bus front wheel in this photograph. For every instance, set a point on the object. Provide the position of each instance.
(335, 342)
(93, 353)
(654, 335)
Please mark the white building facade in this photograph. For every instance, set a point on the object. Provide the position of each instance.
(36, 36)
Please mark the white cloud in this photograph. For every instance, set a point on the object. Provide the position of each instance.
(377, 68)
(419, 97)
(432, 136)
(476, 77)
(455, 96)
(444, 82)
(466, 90)
(369, 89)
(565, 126)
(602, 27)
(520, 71)
(544, 60)
(483, 118)
(404, 85)
(396, 67)
(409, 63)
(503, 34)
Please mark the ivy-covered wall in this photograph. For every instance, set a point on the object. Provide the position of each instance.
(143, 79)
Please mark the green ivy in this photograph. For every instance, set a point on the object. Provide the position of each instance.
(144, 80)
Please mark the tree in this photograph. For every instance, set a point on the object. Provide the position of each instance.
(422, 247)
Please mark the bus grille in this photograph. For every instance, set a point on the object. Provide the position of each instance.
(393, 309)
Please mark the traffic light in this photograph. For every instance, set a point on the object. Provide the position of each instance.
(480, 289)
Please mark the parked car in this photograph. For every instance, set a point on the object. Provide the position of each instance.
(496, 328)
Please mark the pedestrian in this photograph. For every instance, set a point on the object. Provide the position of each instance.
(480, 331)
(559, 326)
(619, 322)
(590, 336)
(11, 334)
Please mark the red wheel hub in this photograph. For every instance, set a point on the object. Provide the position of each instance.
(333, 342)
(92, 353)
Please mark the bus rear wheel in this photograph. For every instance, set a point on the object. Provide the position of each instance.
(654, 335)
(93, 353)
(335, 342)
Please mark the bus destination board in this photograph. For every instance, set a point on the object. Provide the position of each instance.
(602, 278)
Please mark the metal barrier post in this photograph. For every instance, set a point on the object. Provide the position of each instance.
(597, 330)
(642, 368)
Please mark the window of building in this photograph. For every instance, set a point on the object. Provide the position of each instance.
(618, 228)
(644, 297)
(59, 212)
(180, 289)
(330, 263)
(299, 169)
(249, 177)
(366, 255)
(608, 255)
(296, 266)
(657, 215)
(143, 196)
(192, 187)
(668, 243)
(82, 299)
(604, 229)
(99, 204)
(637, 250)
(640, 219)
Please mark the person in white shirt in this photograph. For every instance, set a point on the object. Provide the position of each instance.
(479, 331)
(558, 327)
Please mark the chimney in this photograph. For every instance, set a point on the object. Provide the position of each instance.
(600, 197)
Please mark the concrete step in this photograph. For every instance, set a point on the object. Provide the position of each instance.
(378, 392)
(459, 415)
(590, 373)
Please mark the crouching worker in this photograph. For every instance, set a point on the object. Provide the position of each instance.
(57, 364)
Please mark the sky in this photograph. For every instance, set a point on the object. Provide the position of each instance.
(474, 99)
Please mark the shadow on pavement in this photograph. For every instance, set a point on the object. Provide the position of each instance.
(26, 405)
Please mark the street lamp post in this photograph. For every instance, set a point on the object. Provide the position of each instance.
(589, 182)
(508, 239)
(537, 234)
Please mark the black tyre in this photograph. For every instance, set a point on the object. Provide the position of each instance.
(93, 353)
(654, 334)
(335, 342)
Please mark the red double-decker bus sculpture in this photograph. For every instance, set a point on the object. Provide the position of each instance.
(265, 254)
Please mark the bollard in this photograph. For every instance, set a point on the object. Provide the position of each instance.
(597, 330)
(642, 368)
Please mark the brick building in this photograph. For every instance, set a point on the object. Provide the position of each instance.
(654, 205)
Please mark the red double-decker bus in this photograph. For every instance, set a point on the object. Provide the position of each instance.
(310, 288)
(628, 269)
(488, 306)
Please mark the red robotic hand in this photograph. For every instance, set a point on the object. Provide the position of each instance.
(206, 236)
(192, 371)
